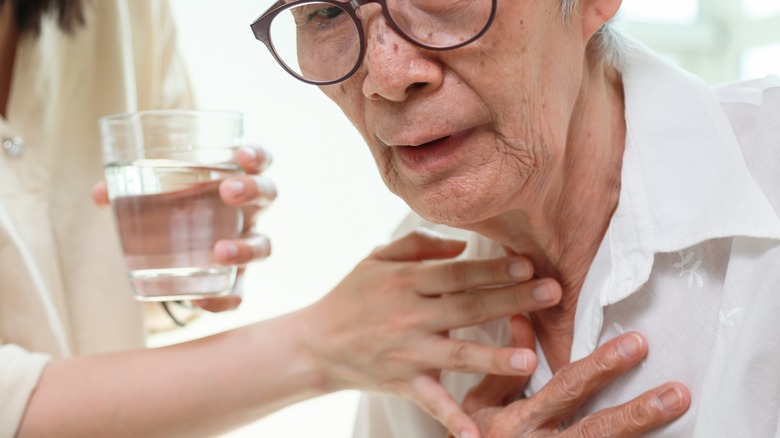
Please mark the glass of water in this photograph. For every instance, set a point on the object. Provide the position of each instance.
(163, 170)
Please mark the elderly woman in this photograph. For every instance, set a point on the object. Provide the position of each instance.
(649, 196)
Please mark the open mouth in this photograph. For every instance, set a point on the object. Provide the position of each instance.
(430, 155)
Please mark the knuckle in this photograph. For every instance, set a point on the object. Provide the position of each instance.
(403, 276)
(437, 409)
(377, 251)
(569, 383)
(593, 426)
(634, 416)
(457, 272)
(603, 364)
(389, 280)
(520, 298)
(471, 307)
(459, 356)
(418, 236)
(498, 271)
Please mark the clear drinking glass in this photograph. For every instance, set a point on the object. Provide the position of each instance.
(163, 170)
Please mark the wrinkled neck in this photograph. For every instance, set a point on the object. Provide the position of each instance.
(562, 227)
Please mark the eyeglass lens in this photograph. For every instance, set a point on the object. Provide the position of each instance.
(320, 41)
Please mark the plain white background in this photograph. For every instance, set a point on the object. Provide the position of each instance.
(332, 208)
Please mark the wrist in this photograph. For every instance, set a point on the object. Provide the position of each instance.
(284, 369)
(318, 343)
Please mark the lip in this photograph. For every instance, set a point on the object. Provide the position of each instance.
(432, 155)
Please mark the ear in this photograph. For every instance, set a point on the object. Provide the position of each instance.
(595, 13)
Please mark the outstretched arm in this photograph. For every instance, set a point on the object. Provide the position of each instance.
(383, 328)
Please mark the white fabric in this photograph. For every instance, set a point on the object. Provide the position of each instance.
(63, 288)
(691, 260)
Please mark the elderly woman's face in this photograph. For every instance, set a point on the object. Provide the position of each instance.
(466, 134)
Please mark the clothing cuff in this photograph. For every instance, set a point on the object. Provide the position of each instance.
(20, 372)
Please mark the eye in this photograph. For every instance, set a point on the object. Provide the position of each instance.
(318, 15)
(326, 13)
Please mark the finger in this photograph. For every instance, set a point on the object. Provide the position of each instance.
(434, 399)
(495, 390)
(100, 194)
(254, 159)
(421, 244)
(576, 382)
(228, 302)
(648, 411)
(446, 277)
(255, 189)
(475, 307)
(523, 335)
(473, 357)
(221, 304)
(240, 252)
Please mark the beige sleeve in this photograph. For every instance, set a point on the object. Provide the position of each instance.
(20, 371)
(161, 74)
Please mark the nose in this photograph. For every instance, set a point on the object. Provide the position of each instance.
(393, 67)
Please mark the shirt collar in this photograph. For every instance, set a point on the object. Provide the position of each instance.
(684, 178)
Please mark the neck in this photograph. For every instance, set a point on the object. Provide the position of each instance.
(561, 224)
(8, 41)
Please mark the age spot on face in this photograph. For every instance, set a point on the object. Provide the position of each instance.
(380, 36)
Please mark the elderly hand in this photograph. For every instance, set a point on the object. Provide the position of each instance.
(254, 193)
(493, 408)
(385, 326)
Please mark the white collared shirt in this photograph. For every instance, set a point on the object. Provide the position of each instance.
(691, 260)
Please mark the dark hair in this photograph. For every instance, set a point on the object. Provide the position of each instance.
(29, 13)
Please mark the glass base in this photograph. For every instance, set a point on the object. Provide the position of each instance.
(176, 284)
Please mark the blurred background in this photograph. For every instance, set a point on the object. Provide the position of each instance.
(333, 208)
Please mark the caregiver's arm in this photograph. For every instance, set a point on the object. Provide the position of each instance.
(384, 328)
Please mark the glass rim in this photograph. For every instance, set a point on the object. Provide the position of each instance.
(136, 115)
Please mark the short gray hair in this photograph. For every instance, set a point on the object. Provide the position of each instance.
(607, 41)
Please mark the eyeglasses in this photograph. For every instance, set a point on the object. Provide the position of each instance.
(323, 42)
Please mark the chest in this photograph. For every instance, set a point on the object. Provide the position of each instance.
(704, 315)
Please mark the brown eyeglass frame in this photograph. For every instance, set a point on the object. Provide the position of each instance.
(261, 28)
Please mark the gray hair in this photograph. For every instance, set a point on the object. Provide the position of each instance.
(606, 43)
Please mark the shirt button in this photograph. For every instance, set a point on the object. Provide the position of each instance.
(13, 147)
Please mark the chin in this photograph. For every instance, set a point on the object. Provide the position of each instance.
(454, 208)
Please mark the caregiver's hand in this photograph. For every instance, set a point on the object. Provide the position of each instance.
(254, 193)
(385, 326)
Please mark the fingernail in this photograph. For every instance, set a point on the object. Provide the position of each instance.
(519, 270)
(234, 188)
(630, 346)
(670, 399)
(250, 152)
(544, 293)
(265, 186)
(466, 435)
(519, 361)
(228, 251)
